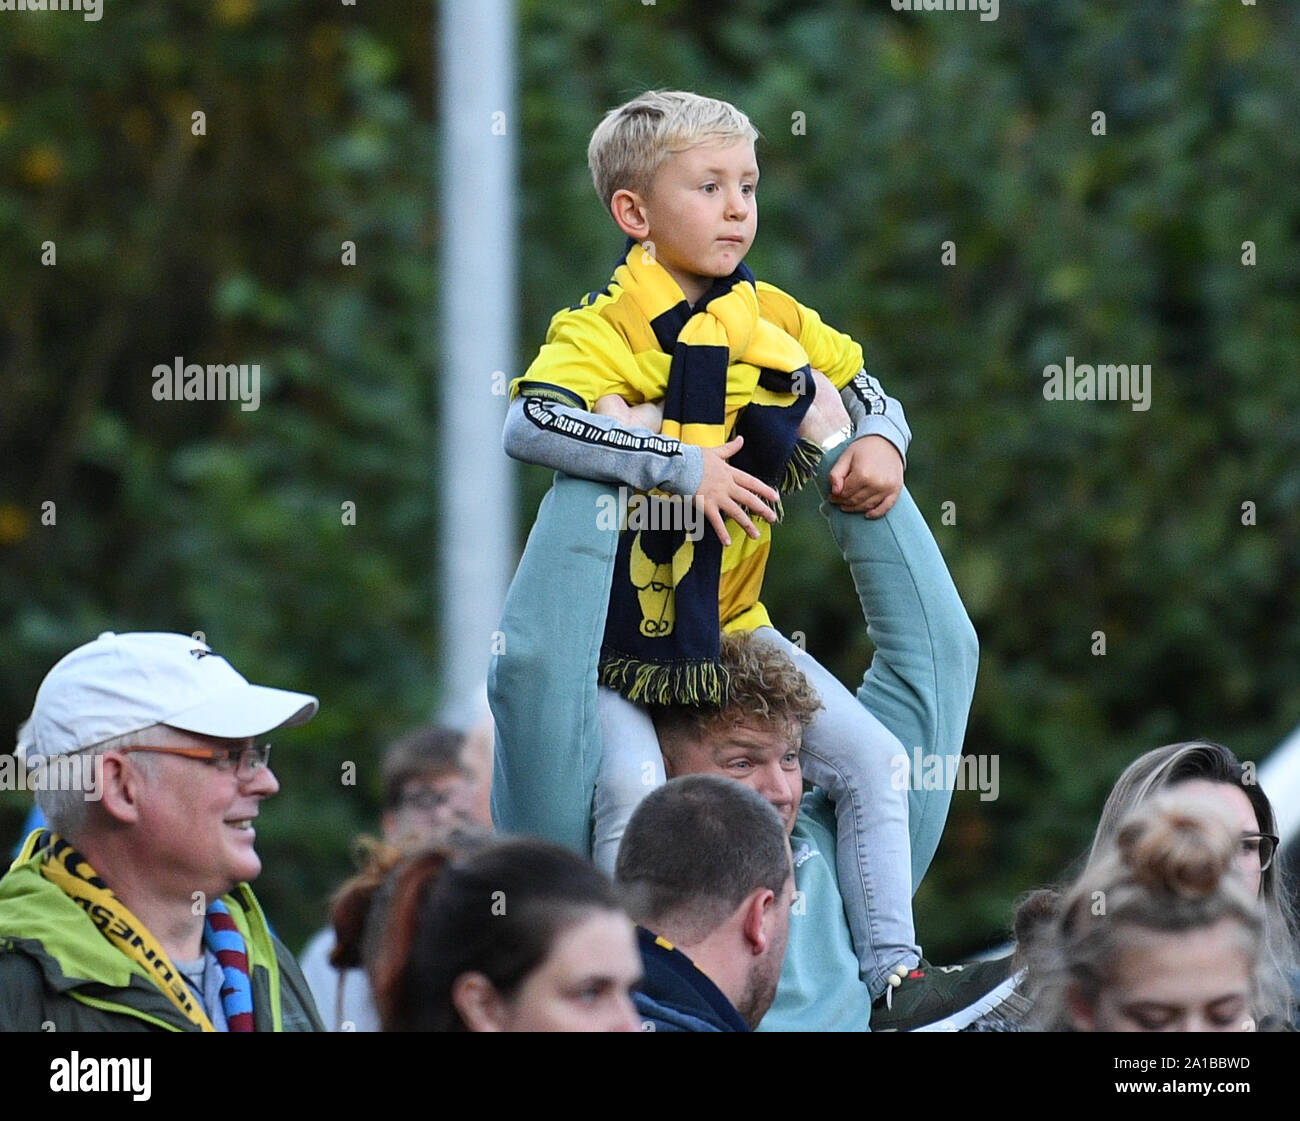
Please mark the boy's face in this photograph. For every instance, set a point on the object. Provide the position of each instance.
(700, 213)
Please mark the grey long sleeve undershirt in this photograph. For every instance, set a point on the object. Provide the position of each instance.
(590, 446)
(874, 413)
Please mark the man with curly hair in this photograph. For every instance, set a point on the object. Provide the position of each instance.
(920, 684)
(756, 739)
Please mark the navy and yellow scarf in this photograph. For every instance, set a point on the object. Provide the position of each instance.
(662, 629)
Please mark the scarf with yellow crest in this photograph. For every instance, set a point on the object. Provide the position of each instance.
(662, 628)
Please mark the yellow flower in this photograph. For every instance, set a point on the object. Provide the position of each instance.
(323, 42)
(13, 523)
(138, 127)
(235, 11)
(42, 165)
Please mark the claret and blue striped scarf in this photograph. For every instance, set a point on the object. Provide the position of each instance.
(662, 630)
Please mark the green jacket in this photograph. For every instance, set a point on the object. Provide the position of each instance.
(58, 973)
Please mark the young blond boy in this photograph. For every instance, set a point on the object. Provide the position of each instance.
(686, 377)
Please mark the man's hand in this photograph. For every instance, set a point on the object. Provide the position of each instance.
(867, 477)
(827, 414)
(726, 492)
(650, 415)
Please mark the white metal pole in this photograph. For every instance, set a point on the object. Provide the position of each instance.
(476, 488)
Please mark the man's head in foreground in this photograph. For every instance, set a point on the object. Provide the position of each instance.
(756, 738)
(174, 736)
(705, 864)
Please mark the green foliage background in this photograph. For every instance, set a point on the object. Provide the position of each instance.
(920, 128)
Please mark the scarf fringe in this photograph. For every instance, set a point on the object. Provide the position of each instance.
(801, 466)
(698, 684)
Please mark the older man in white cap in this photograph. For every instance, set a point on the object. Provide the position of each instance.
(132, 911)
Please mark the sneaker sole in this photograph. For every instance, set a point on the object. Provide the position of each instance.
(972, 1012)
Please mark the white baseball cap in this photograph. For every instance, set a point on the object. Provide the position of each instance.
(121, 683)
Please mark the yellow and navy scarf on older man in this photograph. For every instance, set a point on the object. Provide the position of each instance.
(662, 629)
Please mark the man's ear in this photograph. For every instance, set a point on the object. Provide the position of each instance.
(755, 912)
(628, 210)
(478, 1002)
(121, 788)
(667, 751)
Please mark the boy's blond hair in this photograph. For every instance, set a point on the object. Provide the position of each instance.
(634, 139)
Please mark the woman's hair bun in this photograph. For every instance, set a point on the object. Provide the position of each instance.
(1179, 843)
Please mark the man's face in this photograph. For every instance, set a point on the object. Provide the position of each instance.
(763, 754)
(765, 976)
(431, 804)
(196, 824)
(702, 213)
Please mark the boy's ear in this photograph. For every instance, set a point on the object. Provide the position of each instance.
(628, 209)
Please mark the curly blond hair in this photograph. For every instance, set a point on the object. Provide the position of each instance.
(763, 685)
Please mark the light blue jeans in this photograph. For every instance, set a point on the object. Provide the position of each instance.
(919, 684)
(850, 755)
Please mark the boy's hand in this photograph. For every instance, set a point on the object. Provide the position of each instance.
(726, 492)
(650, 415)
(867, 477)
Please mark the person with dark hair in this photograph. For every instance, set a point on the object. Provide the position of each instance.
(1161, 932)
(1210, 769)
(428, 792)
(705, 868)
(519, 935)
(427, 786)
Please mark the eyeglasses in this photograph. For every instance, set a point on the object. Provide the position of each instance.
(244, 762)
(425, 799)
(1265, 844)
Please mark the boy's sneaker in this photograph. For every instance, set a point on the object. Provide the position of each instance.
(942, 997)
